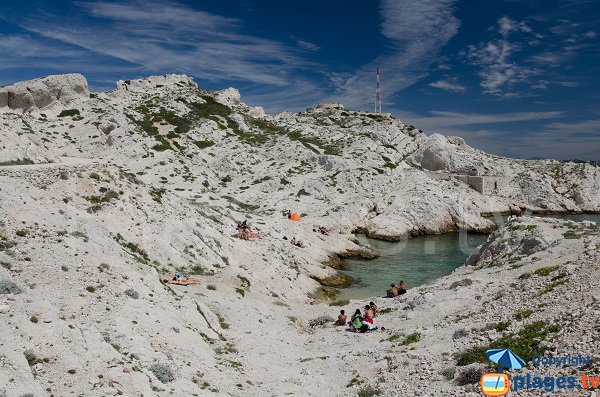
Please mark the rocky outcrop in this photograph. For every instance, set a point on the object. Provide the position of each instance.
(229, 97)
(40, 93)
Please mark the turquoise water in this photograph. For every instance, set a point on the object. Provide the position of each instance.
(417, 261)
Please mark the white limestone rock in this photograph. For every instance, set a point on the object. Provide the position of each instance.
(40, 93)
(229, 97)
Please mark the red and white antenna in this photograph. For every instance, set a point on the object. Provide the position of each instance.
(378, 95)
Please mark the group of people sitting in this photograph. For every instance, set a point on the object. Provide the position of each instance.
(181, 279)
(360, 322)
(394, 290)
(245, 232)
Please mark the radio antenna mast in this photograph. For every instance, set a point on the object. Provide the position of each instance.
(378, 95)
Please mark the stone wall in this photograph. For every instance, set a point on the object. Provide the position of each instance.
(486, 185)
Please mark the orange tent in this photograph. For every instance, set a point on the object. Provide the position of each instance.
(295, 217)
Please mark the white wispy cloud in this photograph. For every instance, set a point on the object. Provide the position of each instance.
(507, 25)
(488, 132)
(307, 45)
(442, 120)
(586, 126)
(499, 70)
(24, 51)
(159, 36)
(448, 85)
(416, 31)
(517, 57)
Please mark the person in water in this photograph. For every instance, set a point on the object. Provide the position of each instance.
(342, 318)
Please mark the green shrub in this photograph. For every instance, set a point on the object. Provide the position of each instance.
(548, 288)
(68, 112)
(522, 315)
(8, 287)
(525, 343)
(204, 144)
(321, 321)
(132, 293)
(524, 227)
(412, 338)
(162, 372)
(16, 162)
(571, 235)
(502, 326)
(448, 373)
(545, 271)
(369, 391)
(32, 358)
(33, 319)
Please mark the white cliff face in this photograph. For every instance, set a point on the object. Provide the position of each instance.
(43, 92)
(152, 177)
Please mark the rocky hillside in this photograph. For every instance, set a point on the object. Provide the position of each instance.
(102, 193)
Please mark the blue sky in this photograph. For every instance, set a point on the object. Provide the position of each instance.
(513, 77)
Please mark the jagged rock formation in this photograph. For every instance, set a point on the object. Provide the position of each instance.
(40, 93)
(104, 193)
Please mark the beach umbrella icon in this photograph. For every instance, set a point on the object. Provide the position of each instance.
(505, 358)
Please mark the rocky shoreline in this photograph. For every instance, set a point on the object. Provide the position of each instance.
(104, 194)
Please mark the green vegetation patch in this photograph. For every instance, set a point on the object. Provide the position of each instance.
(411, 338)
(244, 206)
(133, 249)
(17, 162)
(525, 343)
(204, 144)
(157, 194)
(522, 315)
(545, 271)
(502, 326)
(69, 112)
(524, 227)
(548, 288)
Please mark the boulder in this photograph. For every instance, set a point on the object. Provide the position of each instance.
(42, 92)
(257, 112)
(228, 97)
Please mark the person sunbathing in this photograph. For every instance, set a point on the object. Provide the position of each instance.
(297, 243)
(374, 308)
(342, 318)
(392, 292)
(401, 288)
(369, 314)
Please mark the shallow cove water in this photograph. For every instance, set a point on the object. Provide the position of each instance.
(417, 261)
